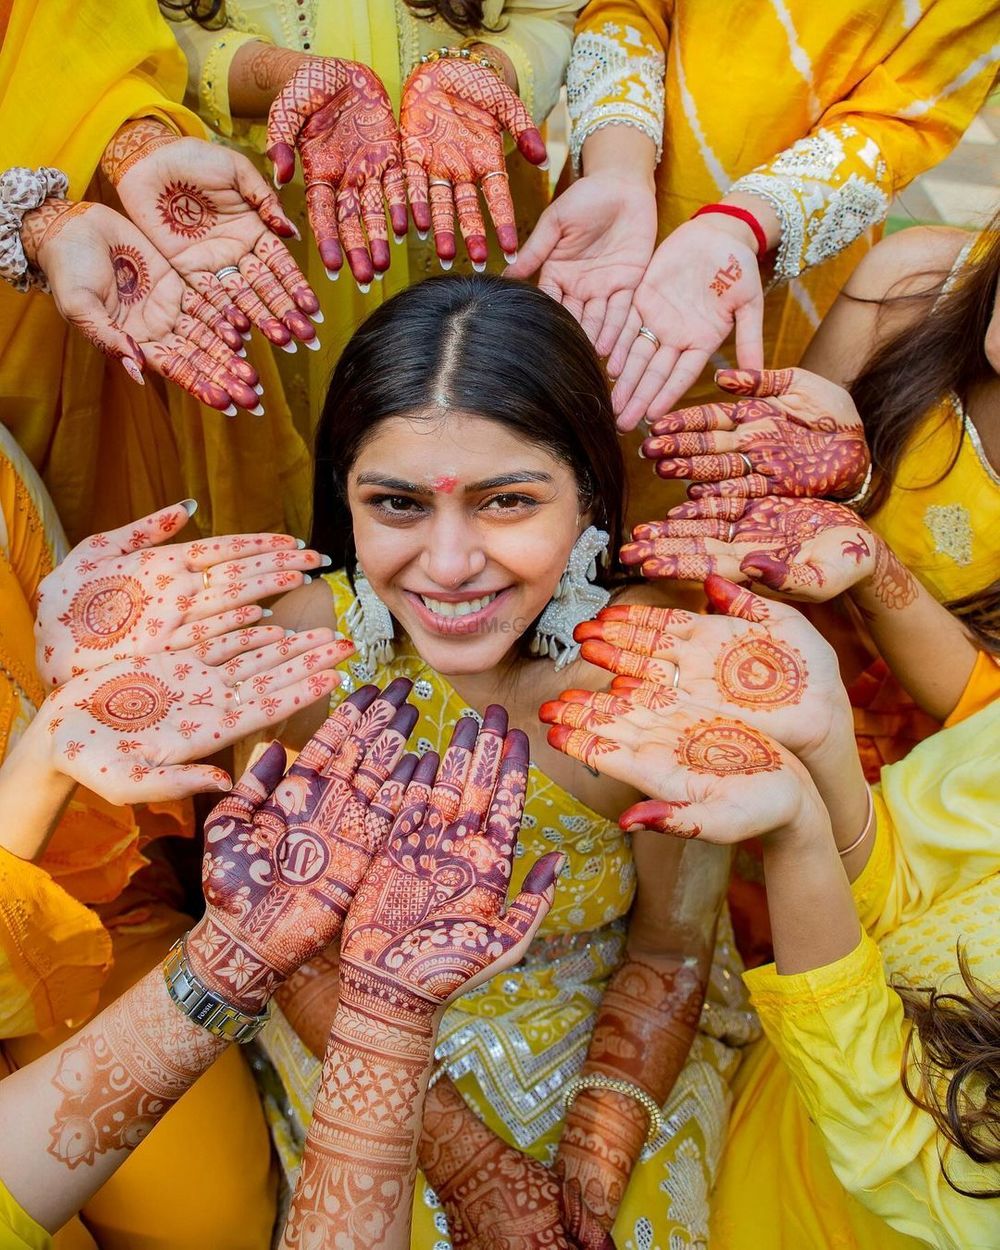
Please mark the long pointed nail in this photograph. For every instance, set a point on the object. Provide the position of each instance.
(479, 266)
(445, 264)
(398, 238)
(510, 257)
(245, 336)
(423, 235)
(364, 287)
(133, 370)
(259, 389)
(190, 506)
(317, 317)
(256, 412)
(311, 344)
(230, 411)
(290, 347)
(333, 274)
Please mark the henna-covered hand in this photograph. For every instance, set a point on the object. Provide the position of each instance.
(119, 594)
(700, 284)
(452, 119)
(806, 548)
(764, 663)
(427, 922)
(111, 283)
(207, 209)
(128, 729)
(493, 1194)
(797, 434)
(707, 776)
(338, 116)
(284, 852)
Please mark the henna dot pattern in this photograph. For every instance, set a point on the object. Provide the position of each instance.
(130, 702)
(185, 210)
(725, 748)
(131, 274)
(104, 611)
(761, 673)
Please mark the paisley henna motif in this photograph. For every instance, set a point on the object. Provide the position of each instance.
(725, 748)
(760, 673)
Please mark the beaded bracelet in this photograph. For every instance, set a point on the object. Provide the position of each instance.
(21, 190)
(861, 494)
(462, 54)
(596, 1080)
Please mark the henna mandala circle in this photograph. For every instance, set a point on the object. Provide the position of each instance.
(301, 857)
(761, 673)
(725, 748)
(131, 274)
(185, 210)
(103, 612)
(131, 702)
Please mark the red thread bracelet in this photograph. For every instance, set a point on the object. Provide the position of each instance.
(744, 215)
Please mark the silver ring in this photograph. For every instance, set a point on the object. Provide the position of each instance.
(439, 182)
(732, 531)
(226, 270)
(747, 461)
(496, 173)
(677, 677)
(236, 693)
(646, 333)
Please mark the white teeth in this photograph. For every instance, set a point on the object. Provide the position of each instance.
(440, 608)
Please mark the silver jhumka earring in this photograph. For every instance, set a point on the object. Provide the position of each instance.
(576, 599)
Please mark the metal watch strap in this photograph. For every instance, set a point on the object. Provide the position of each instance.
(204, 1007)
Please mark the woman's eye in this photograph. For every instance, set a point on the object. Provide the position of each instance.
(509, 502)
(396, 505)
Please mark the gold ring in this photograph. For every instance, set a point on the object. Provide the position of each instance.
(747, 461)
(205, 579)
(677, 677)
(646, 333)
(236, 693)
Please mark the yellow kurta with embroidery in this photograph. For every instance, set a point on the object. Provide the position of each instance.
(512, 1045)
(825, 110)
(107, 449)
(387, 35)
(826, 1090)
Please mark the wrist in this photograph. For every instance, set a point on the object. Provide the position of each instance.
(498, 58)
(835, 768)
(367, 995)
(217, 959)
(734, 227)
(763, 213)
(622, 153)
(258, 72)
(131, 143)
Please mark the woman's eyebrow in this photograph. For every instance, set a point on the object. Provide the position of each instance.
(489, 483)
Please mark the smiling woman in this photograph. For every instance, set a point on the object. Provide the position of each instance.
(468, 477)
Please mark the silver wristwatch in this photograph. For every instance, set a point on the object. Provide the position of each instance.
(204, 1007)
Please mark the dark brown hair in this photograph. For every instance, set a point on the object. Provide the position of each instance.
(207, 13)
(461, 15)
(958, 1067)
(941, 352)
(489, 346)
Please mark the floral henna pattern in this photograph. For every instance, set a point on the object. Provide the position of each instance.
(124, 1072)
(131, 703)
(104, 611)
(895, 586)
(725, 748)
(761, 673)
(186, 210)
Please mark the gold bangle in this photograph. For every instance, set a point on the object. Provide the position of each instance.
(596, 1080)
(462, 54)
(869, 825)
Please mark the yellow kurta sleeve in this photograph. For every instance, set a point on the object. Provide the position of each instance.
(841, 1032)
(18, 1231)
(210, 55)
(616, 72)
(537, 36)
(980, 690)
(904, 117)
(938, 824)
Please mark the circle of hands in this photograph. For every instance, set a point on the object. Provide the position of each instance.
(407, 860)
(157, 657)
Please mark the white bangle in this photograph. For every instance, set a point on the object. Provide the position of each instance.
(21, 190)
(861, 494)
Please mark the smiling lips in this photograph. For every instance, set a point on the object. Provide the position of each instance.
(465, 608)
(455, 615)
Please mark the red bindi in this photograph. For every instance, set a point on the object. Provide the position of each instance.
(446, 483)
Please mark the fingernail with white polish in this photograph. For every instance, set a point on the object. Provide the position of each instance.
(333, 274)
(423, 235)
(230, 411)
(133, 370)
(446, 264)
(266, 612)
(300, 544)
(398, 238)
(289, 347)
(258, 411)
(306, 578)
(311, 344)
(364, 287)
(479, 266)
(259, 389)
(317, 317)
(245, 336)
(544, 164)
(510, 257)
(190, 506)
(379, 277)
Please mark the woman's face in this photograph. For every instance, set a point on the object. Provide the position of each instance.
(463, 530)
(992, 344)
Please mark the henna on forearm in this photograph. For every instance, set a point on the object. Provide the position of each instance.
(356, 1185)
(644, 1029)
(308, 1000)
(42, 224)
(131, 142)
(72, 1116)
(256, 75)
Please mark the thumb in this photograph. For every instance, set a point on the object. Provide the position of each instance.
(284, 121)
(92, 320)
(262, 199)
(541, 243)
(179, 781)
(759, 382)
(148, 531)
(531, 906)
(725, 596)
(661, 816)
(749, 319)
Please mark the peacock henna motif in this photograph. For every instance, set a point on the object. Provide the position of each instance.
(760, 673)
(725, 748)
(186, 210)
(131, 274)
(104, 611)
(131, 702)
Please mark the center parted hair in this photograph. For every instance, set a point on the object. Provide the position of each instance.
(491, 347)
